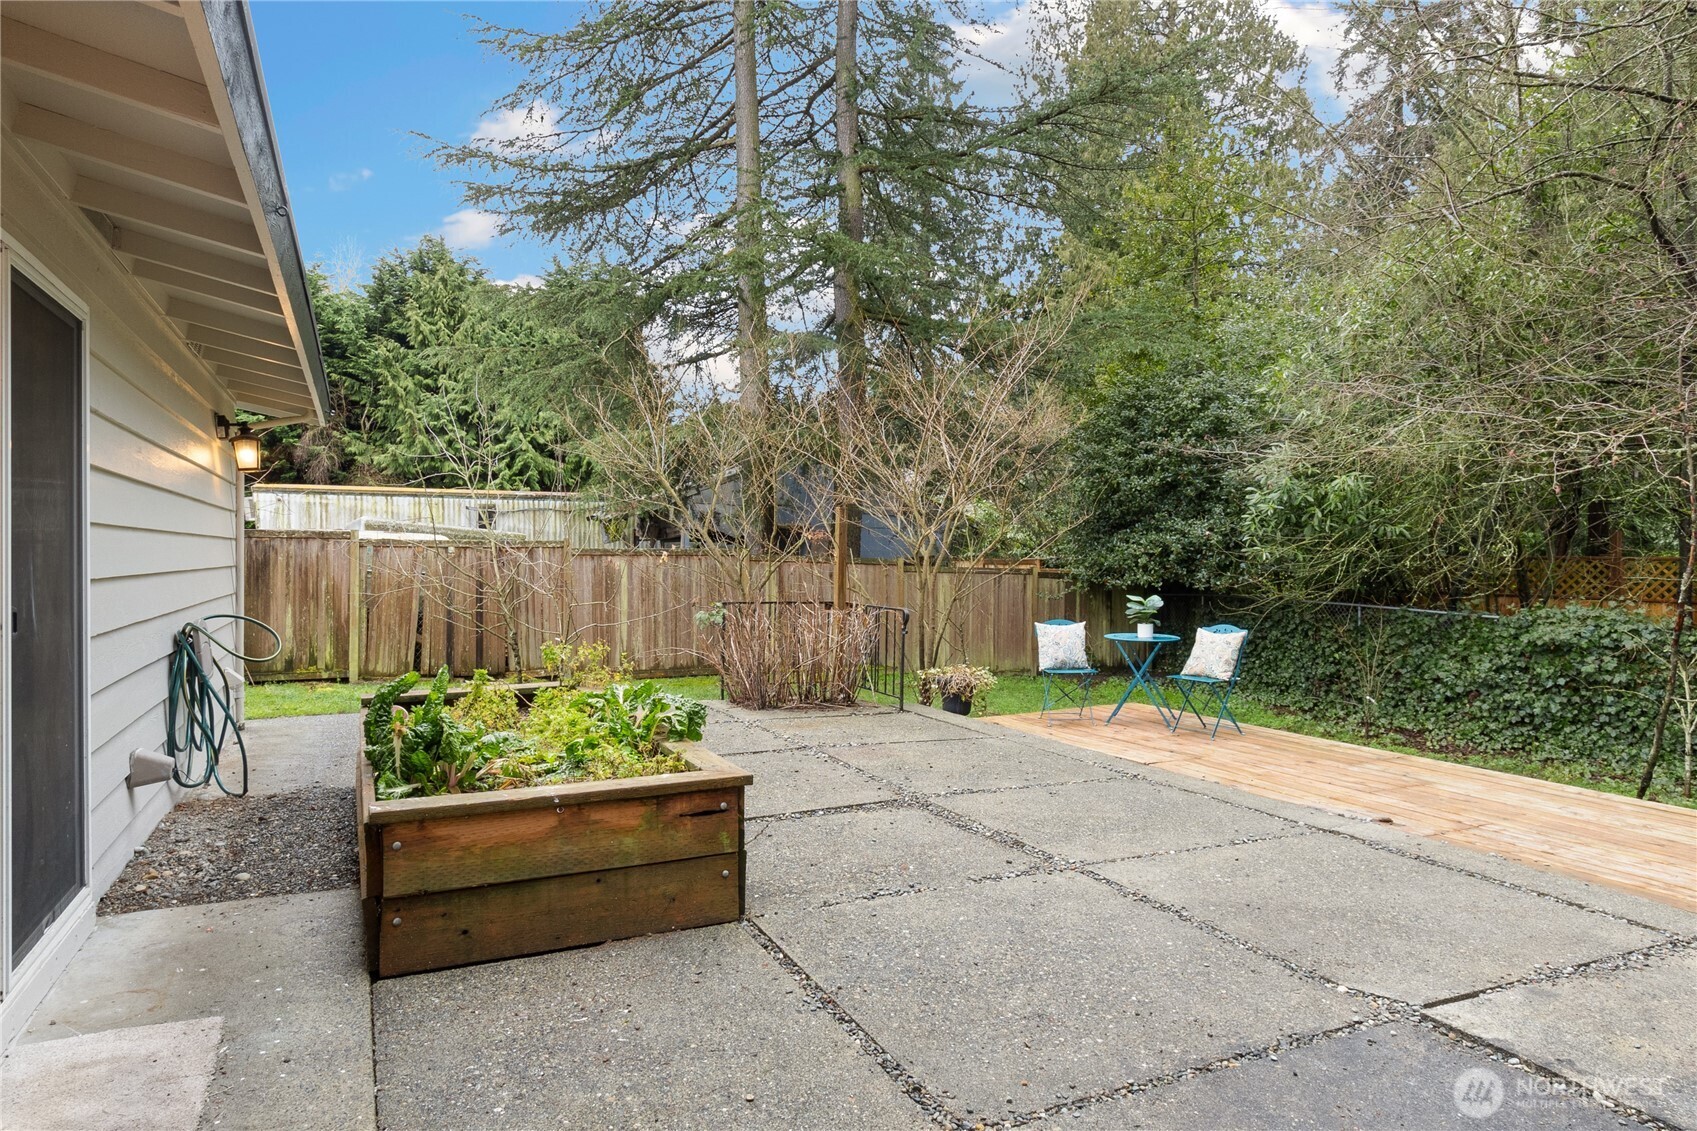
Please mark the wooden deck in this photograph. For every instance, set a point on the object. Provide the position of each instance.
(1643, 847)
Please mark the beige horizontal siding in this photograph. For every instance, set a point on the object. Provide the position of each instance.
(163, 504)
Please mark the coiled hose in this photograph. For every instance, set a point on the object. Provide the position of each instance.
(194, 732)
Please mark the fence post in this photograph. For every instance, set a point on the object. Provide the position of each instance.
(356, 606)
(840, 560)
(1031, 586)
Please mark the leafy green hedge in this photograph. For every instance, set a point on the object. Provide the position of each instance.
(1565, 684)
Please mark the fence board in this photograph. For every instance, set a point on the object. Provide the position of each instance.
(299, 586)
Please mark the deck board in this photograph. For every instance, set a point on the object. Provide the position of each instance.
(1643, 847)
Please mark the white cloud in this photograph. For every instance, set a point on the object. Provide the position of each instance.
(1000, 48)
(340, 182)
(523, 279)
(469, 228)
(525, 125)
(1319, 29)
(710, 376)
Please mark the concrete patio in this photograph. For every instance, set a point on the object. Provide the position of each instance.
(949, 924)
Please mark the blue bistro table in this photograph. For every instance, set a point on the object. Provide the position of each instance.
(1140, 669)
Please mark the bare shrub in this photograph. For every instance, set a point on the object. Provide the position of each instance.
(787, 655)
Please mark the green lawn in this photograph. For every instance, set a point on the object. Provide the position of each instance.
(284, 699)
(1020, 694)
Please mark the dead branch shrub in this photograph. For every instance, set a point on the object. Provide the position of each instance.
(788, 655)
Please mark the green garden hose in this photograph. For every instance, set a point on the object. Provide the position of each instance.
(194, 732)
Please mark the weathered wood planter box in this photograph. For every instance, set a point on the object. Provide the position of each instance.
(472, 877)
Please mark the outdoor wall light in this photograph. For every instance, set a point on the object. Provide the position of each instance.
(243, 442)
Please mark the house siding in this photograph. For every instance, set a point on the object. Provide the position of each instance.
(163, 510)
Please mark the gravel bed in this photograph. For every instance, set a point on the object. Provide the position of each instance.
(240, 847)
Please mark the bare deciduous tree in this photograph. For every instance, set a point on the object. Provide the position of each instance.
(955, 453)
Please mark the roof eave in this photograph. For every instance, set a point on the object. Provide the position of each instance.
(234, 44)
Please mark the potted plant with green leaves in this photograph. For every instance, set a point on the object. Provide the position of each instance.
(1141, 612)
(957, 684)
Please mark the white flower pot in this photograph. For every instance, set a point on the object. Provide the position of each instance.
(1145, 631)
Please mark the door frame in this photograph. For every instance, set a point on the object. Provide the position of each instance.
(20, 987)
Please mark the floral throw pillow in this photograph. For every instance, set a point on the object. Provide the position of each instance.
(1061, 646)
(1215, 653)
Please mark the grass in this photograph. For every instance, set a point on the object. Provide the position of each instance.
(1018, 694)
(287, 699)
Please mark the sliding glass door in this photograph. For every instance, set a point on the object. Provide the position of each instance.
(47, 809)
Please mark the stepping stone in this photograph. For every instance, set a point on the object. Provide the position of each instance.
(695, 1028)
(1374, 920)
(838, 856)
(1629, 1033)
(1104, 820)
(1041, 988)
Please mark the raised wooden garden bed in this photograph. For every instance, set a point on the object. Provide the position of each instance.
(472, 877)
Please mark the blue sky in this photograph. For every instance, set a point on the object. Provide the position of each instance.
(349, 83)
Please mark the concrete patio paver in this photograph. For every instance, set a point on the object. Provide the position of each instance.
(285, 974)
(302, 752)
(913, 961)
(838, 856)
(967, 762)
(65, 1084)
(799, 781)
(697, 1029)
(1016, 994)
(1374, 920)
(837, 727)
(730, 737)
(1394, 1077)
(1091, 821)
(1629, 1033)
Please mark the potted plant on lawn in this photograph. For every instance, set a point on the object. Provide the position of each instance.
(1141, 612)
(958, 684)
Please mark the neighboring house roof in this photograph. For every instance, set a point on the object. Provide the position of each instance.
(150, 116)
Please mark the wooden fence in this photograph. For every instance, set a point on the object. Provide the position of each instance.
(370, 608)
(363, 608)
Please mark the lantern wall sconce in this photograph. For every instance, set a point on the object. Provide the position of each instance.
(244, 442)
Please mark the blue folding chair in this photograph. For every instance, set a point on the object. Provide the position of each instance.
(1065, 686)
(1200, 691)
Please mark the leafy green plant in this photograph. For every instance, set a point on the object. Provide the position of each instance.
(961, 680)
(580, 665)
(618, 732)
(494, 706)
(1142, 610)
(483, 743)
(1557, 685)
(378, 716)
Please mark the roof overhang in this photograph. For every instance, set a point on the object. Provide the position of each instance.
(150, 118)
